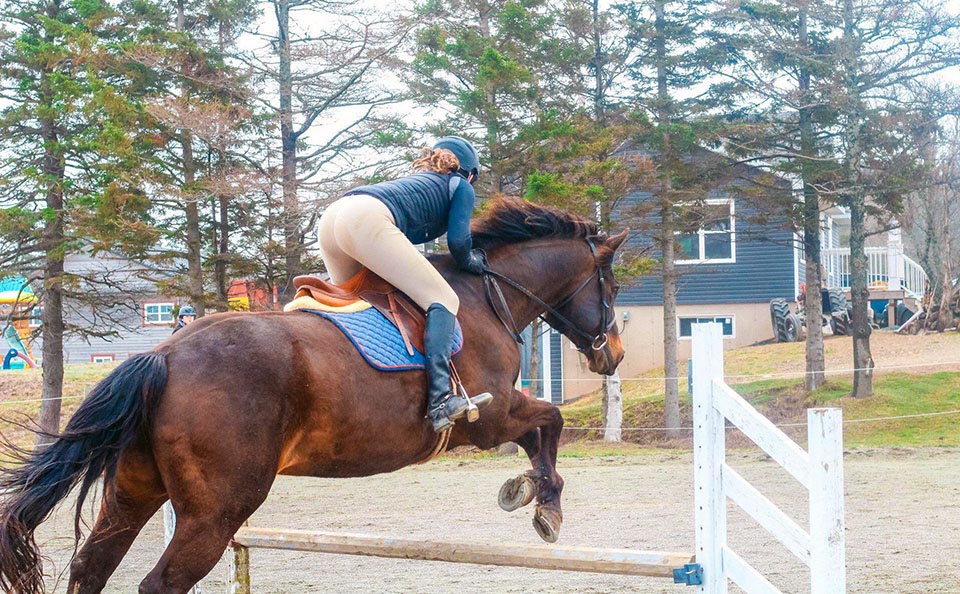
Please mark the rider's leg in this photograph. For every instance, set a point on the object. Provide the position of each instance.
(341, 266)
(367, 232)
(443, 407)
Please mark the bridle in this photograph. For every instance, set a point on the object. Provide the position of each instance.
(607, 320)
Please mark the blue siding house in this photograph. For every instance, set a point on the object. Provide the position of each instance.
(730, 267)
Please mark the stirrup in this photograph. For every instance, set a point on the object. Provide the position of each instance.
(443, 419)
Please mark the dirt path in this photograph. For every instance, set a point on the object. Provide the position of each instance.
(903, 526)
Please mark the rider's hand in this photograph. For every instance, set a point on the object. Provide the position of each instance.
(476, 263)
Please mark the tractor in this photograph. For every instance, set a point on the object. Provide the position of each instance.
(789, 326)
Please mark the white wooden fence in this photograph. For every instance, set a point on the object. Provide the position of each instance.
(820, 470)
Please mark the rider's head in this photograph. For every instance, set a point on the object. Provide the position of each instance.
(187, 314)
(451, 154)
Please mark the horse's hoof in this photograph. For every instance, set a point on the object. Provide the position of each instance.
(547, 521)
(517, 492)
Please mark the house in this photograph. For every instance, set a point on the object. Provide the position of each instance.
(733, 266)
(130, 314)
(730, 267)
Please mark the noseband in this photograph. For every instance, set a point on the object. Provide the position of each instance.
(598, 342)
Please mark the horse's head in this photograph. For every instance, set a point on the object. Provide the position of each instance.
(573, 277)
(587, 316)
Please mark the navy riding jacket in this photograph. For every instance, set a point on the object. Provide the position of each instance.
(426, 205)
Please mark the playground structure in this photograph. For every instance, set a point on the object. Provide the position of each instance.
(713, 564)
(16, 298)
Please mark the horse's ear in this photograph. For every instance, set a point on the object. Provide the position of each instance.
(614, 243)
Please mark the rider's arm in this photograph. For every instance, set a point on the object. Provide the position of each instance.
(458, 225)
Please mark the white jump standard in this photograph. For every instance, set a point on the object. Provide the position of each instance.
(713, 564)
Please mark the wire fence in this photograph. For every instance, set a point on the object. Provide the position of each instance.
(85, 389)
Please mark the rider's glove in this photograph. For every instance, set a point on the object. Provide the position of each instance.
(476, 263)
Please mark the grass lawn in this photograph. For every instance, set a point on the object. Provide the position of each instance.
(770, 377)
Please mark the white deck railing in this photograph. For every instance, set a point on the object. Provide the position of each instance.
(887, 267)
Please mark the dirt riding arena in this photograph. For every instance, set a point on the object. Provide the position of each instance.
(902, 506)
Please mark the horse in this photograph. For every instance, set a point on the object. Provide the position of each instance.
(212, 415)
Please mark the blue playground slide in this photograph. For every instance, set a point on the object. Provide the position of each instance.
(16, 351)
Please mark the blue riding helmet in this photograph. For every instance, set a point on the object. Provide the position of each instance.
(465, 153)
(187, 310)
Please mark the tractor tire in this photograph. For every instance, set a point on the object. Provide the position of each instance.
(793, 328)
(779, 310)
(840, 323)
(903, 314)
(838, 301)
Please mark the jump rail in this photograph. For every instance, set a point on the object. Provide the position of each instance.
(820, 470)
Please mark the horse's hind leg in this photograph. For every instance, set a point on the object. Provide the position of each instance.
(134, 497)
(211, 506)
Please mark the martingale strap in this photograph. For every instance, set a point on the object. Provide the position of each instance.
(506, 318)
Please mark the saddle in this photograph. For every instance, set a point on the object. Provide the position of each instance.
(364, 290)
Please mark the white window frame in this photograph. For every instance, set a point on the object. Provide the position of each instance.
(35, 320)
(733, 323)
(146, 320)
(701, 233)
(103, 358)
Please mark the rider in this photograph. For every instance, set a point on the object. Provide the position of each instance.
(187, 314)
(377, 226)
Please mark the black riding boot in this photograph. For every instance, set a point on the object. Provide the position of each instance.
(443, 407)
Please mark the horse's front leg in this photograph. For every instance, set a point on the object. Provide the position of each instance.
(540, 440)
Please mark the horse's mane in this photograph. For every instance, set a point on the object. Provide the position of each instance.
(509, 220)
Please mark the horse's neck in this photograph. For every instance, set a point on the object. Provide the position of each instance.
(543, 271)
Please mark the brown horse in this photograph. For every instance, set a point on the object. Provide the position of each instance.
(212, 415)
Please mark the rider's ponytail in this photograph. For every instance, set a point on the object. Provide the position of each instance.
(436, 160)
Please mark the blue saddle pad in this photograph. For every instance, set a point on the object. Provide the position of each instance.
(379, 341)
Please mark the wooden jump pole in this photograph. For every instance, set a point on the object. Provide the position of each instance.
(582, 559)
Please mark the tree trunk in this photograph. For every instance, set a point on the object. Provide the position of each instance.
(536, 388)
(53, 241)
(613, 408)
(671, 386)
(860, 298)
(859, 288)
(671, 417)
(599, 94)
(813, 305)
(223, 250)
(945, 321)
(191, 208)
(288, 147)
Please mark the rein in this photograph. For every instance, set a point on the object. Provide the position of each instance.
(503, 313)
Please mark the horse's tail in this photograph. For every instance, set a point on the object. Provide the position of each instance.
(109, 419)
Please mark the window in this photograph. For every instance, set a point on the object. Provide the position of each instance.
(35, 317)
(686, 324)
(157, 313)
(714, 240)
(102, 358)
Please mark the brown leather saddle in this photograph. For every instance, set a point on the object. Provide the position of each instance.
(365, 286)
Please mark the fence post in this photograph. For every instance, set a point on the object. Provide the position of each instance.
(827, 555)
(238, 570)
(708, 458)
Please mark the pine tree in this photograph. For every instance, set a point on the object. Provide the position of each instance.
(777, 64)
(666, 70)
(69, 162)
(886, 53)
